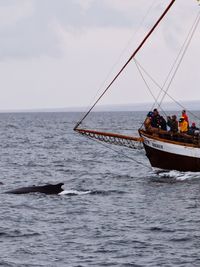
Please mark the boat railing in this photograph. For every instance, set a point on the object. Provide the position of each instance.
(174, 136)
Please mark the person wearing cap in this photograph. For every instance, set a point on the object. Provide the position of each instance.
(183, 125)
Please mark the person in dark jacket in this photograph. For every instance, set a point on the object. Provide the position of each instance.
(172, 123)
(158, 121)
(155, 118)
(193, 130)
(162, 123)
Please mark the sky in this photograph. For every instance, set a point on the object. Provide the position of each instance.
(63, 53)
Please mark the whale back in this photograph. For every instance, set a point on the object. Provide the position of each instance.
(48, 189)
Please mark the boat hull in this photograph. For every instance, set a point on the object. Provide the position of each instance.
(171, 156)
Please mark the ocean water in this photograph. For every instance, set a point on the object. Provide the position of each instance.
(115, 210)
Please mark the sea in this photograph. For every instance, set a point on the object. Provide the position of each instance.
(115, 210)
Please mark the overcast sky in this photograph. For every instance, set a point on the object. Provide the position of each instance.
(59, 53)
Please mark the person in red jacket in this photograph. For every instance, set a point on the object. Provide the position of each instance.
(185, 116)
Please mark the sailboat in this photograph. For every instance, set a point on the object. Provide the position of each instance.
(164, 149)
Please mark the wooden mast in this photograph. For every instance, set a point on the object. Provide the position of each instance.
(128, 61)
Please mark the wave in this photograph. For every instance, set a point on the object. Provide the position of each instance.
(173, 176)
(74, 192)
(91, 192)
(17, 233)
(180, 176)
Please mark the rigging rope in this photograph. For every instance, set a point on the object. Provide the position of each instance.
(123, 51)
(177, 61)
(148, 87)
(127, 141)
(184, 52)
(159, 86)
(128, 61)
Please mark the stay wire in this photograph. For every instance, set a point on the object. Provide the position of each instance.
(128, 61)
(172, 98)
(159, 86)
(148, 87)
(182, 51)
(122, 53)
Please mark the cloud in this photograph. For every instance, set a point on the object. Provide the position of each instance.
(57, 53)
(86, 4)
(12, 13)
(27, 28)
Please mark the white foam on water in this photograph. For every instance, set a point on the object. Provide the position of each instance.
(177, 175)
(74, 192)
(188, 175)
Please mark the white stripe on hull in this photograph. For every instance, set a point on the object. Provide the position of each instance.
(172, 148)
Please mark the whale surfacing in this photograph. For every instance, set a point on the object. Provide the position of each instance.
(48, 189)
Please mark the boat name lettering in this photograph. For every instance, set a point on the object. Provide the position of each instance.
(157, 146)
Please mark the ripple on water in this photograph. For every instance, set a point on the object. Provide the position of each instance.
(113, 212)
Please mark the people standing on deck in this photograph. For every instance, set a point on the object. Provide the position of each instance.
(163, 123)
(155, 118)
(172, 123)
(183, 125)
(147, 122)
(185, 116)
(157, 121)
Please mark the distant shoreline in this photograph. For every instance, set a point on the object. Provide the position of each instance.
(143, 107)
